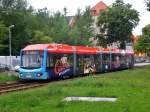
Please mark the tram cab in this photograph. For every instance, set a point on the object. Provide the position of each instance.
(32, 65)
(46, 61)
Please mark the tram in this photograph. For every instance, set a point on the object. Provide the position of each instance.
(49, 61)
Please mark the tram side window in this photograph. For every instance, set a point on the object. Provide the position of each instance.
(97, 62)
(129, 59)
(49, 61)
(116, 60)
(59, 60)
(89, 64)
(122, 59)
(80, 63)
(106, 58)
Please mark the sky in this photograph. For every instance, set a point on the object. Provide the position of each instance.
(73, 5)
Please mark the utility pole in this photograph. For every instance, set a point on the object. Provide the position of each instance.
(10, 36)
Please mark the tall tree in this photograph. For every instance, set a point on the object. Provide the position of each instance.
(3, 36)
(19, 34)
(116, 24)
(59, 28)
(143, 44)
(15, 12)
(40, 26)
(14, 4)
(83, 28)
(148, 4)
(40, 37)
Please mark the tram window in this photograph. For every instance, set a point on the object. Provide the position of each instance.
(63, 59)
(122, 59)
(113, 57)
(49, 61)
(85, 63)
(106, 58)
(89, 63)
(80, 63)
(129, 58)
(97, 62)
(116, 60)
(32, 59)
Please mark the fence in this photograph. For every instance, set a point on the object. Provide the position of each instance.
(5, 61)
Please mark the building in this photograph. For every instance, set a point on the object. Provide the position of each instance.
(95, 11)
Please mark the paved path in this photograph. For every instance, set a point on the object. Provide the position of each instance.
(141, 64)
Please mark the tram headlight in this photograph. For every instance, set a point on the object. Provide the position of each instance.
(39, 74)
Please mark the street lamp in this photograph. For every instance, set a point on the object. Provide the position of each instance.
(10, 62)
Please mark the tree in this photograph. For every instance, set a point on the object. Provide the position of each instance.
(15, 12)
(13, 5)
(3, 36)
(116, 24)
(3, 30)
(83, 29)
(148, 4)
(143, 44)
(40, 26)
(59, 28)
(39, 37)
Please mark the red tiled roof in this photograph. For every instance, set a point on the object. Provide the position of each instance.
(98, 8)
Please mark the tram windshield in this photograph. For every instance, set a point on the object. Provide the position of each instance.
(32, 59)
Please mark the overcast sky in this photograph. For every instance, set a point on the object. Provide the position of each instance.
(72, 5)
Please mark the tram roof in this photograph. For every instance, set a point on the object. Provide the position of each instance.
(35, 47)
(62, 48)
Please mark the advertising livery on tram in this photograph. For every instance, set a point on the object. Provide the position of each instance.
(48, 61)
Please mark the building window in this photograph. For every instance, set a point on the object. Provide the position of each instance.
(93, 12)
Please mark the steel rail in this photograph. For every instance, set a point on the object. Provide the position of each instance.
(19, 86)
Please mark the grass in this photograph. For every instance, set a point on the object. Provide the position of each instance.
(5, 77)
(131, 87)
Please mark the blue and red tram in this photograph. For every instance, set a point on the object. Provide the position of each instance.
(48, 61)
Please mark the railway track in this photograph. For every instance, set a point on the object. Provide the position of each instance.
(17, 86)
